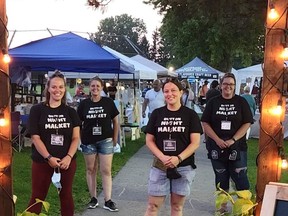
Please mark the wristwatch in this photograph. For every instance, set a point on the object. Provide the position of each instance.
(48, 158)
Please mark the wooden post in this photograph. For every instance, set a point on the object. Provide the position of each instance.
(6, 189)
(271, 131)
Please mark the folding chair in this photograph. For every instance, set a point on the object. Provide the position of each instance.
(17, 141)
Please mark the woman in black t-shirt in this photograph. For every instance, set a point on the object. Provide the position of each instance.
(173, 135)
(226, 119)
(99, 134)
(55, 134)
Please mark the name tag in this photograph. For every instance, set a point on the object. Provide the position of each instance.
(97, 131)
(225, 125)
(169, 145)
(57, 139)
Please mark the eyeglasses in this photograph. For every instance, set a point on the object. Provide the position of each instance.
(228, 84)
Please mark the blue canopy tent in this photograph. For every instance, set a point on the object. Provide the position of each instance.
(65, 52)
(197, 69)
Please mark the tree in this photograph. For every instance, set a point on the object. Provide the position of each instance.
(219, 32)
(121, 33)
(158, 50)
(98, 3)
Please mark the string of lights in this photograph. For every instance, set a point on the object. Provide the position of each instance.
(273, 92)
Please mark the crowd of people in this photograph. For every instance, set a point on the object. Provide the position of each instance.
(172, 135)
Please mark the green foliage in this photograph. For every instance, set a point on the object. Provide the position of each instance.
(26, 212)
(22, 177)
(222, 33)
(114, 32)
(242, 206)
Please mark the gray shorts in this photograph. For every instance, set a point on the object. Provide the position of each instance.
(160, 185)
(103, 147)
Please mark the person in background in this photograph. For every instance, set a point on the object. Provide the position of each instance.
(104, 92)
(154, 98)
(145, 90)
(99, 134)
(213, 91)
(69, 98)
(80, 91)
(202, 92)
(172, 135)
(112, 90)
(226, 119)
(252, 104)
(55, 133)
(188, 95)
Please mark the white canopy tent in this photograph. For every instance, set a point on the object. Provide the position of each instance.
(161, 71)
(145, 73)
(247, 76)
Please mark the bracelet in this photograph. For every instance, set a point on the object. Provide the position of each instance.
(48, 158)
(233, 139)
(179, 158)
(69, 156)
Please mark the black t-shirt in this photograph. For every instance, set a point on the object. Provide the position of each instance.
(96, 115)
(212, 93)
(175, 125)
(235, 110)
(47, 122)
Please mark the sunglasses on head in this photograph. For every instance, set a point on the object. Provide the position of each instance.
(57, 73)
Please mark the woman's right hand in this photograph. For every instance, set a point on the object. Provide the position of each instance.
(54, 162)
(222, 144)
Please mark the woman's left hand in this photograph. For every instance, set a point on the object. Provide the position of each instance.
(65, 162)
(173, 162)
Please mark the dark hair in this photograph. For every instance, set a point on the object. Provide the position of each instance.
(173, 80)
(228, 75)
(214, 84)
(57, 73)
(97, 79)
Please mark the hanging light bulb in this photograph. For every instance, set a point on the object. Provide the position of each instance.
(285, 53)
(6, 57)
(273, 13)
(2, 119)
(277, 110)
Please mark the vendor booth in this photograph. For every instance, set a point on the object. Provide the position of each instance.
(161, 71)
(198, 69)
(66, 52)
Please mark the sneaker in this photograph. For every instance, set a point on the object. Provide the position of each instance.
(93, 203)
(110, 205)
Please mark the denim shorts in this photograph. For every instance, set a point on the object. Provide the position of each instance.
(160, 185)
(103, 147)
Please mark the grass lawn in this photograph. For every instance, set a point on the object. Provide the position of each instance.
(22, 175)
(22, 178)
(252, 168)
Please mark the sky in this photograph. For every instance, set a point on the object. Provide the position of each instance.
(32, 18)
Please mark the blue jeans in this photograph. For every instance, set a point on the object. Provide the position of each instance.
(236, 170)
(103, 147)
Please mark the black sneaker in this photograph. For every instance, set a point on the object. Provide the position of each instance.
(93, 203)
(110, 205)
